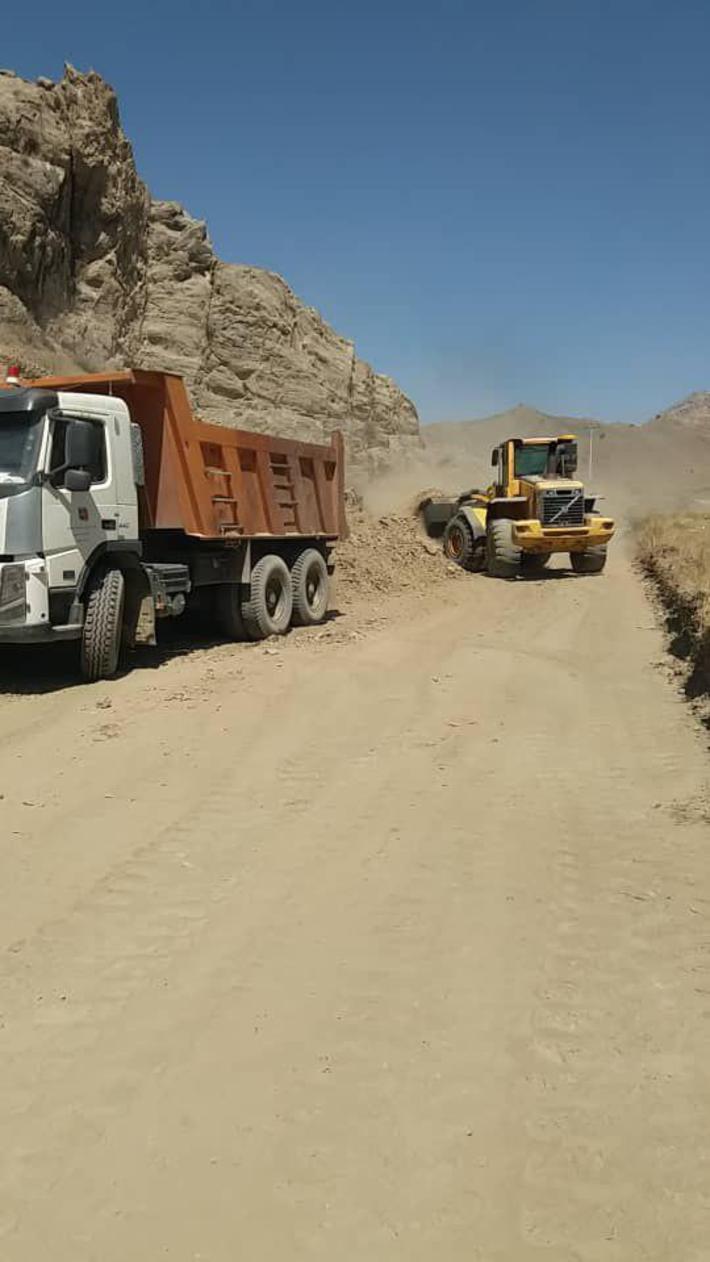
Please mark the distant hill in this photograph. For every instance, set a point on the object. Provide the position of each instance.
(692, 412)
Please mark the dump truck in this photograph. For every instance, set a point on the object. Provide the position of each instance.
(119, 508)
(534, 508)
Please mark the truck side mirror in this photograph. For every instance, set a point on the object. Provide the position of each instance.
(77, 479)
(83, 446)
(494, 456)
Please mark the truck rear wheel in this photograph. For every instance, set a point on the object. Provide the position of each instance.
(590, 562)
(461, 546)
(268, 609)
(503, 557)
(311, 588)
(228, 611)
(103, 625)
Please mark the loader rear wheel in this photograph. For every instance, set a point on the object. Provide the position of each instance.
(460, 545)
(311, 588)
(534, 562)
(503, 556)
(590, 562)
(268, 609)
(103, 626)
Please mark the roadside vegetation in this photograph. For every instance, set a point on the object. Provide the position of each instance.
(674, 552)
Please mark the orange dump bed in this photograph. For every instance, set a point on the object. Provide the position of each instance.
(219, 483)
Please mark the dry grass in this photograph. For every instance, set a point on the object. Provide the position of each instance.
(674, 551)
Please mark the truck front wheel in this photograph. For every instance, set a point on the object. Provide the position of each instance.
(103, 625)
(590, 562)
(268, 609)
(309, 579)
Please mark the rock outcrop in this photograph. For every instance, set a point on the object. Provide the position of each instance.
(93, 274)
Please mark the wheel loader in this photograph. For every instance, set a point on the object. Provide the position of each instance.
(534, 508)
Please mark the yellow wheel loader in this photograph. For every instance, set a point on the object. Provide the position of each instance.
(534, 507)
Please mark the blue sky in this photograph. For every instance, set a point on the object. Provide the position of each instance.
(498, 201)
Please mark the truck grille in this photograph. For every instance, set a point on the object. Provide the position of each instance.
(563, 507)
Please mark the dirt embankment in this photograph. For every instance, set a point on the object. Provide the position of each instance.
(674, 553)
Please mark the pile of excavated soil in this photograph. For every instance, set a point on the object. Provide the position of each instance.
(388, 554)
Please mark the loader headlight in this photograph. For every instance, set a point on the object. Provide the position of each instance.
(13, 593)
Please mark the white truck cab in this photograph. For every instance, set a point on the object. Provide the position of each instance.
(67, 495)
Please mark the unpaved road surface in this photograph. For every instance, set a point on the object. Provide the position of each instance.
(388, 944)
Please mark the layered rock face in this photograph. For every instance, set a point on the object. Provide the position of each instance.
(95, 274)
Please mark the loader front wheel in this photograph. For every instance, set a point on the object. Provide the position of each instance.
(103, 626)
(268, 609)
(503, 556)
(590, 562)
(460, 545)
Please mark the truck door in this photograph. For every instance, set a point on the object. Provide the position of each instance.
(76, 523)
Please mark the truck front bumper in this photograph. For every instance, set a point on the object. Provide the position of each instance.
(33, 634)
(24, 605)
(532, 536)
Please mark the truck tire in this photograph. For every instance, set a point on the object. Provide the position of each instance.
(228, 611)
(590, 562)
(311, 588)
(534, 562)
(503, 557)
(103, 626)
(461, 547)
(268, 609)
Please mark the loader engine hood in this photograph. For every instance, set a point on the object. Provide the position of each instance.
(551, 484)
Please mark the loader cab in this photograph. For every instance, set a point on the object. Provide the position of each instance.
(526, 459)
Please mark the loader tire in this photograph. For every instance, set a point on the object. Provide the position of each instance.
(534, 562)
(503, 557)
(590, 562)
(268, 609)
(228, 611)
(103, 626)
(461, 547)
(311, 588)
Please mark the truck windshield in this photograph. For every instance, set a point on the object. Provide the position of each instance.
(531, 461)
(20, 434)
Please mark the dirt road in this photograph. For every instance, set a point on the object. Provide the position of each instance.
(391, 944)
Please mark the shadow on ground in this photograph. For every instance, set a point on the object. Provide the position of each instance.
(35, 670)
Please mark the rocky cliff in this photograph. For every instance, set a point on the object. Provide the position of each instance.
(94, 273)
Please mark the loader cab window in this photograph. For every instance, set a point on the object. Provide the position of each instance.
(531, 460)
(58, 453)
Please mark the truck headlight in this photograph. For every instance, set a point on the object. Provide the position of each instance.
(13, 593)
